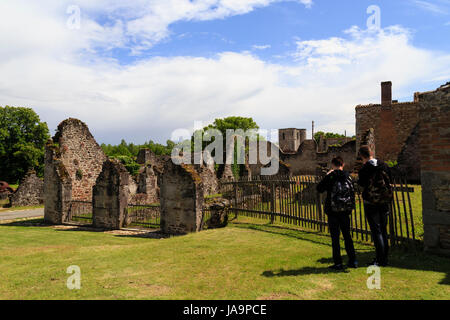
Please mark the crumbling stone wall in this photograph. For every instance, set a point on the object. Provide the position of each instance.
(307, 159)
(434, 139)
(57, 186)
(110, 196)
(147, 189)
(409, 158)
(346, 151)
(30, 191)
(393, 124)
(181, 199)
(324, 143)
(290, 139)
(81, 155)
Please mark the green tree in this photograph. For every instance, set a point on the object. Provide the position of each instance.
(327, 135)
(234, 123)
(127, 152)
(22, 143)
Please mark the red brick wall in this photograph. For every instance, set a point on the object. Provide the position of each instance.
(434, 140)
(392, 127)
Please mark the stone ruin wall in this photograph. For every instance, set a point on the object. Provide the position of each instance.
(30, 191)
(307, 160)
(182, 199)
(393, 126)
(81, 155)
(110, 196)
(57, 186)
(434, 141)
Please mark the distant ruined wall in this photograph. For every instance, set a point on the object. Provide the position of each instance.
(147, 188)
(81, 155)
(181, 199)
(346, 151)
(305, 160)
(30, 191)
(434, 140)
(308, 159)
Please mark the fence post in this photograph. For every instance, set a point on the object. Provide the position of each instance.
(235, 199)
(272, 203)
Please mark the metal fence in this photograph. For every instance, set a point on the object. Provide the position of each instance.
(143, 215)
(295, 201)
(80, 212)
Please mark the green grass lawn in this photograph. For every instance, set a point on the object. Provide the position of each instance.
(245, 260)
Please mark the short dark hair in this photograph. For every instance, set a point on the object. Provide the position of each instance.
(337, 161)
(365, 152)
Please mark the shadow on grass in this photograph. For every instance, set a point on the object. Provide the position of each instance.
(398, 259)
(405, 257)
(324, 239)
(26, 222)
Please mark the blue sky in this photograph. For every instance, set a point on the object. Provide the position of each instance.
(140, 70)
(279, 24)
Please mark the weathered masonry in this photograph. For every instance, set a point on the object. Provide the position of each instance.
(30, 191)
(305, 156)
(434, 133)
(395, 130)
(110, 196)
(73, 160)
(181, 199)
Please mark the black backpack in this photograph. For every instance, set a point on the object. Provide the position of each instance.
(343, 195)
(379, 189)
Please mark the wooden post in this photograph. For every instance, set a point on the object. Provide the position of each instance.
(272, 203)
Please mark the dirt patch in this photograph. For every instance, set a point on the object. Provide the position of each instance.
(150, 290)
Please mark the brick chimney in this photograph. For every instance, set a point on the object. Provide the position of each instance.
(386, 94)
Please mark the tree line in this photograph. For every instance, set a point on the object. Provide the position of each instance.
(23, 137)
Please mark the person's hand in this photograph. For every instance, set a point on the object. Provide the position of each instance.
(330, 171)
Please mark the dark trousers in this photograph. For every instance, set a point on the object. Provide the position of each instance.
(338, 222)
(377, 216)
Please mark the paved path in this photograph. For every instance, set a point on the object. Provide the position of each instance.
(19, 214)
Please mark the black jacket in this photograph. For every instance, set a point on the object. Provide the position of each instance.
(367, 171)
(327, 184)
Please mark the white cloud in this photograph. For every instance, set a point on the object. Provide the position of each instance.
(433, 7)
(41, 68)
(261, 47)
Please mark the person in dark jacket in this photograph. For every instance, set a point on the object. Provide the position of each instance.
(377, 214)
(338, 221)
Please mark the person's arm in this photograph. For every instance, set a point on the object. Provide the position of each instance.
(322, 186)
(362, 177)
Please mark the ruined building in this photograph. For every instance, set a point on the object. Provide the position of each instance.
(434, 152)
(396, 130)
(304, 156)
(73, 160)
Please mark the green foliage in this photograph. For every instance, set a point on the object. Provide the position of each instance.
(392, 163)
(132, 150)
(79, 174)
(129, 163)
(234, 123)
(127, 152)
(327, 135)
(22, 143)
